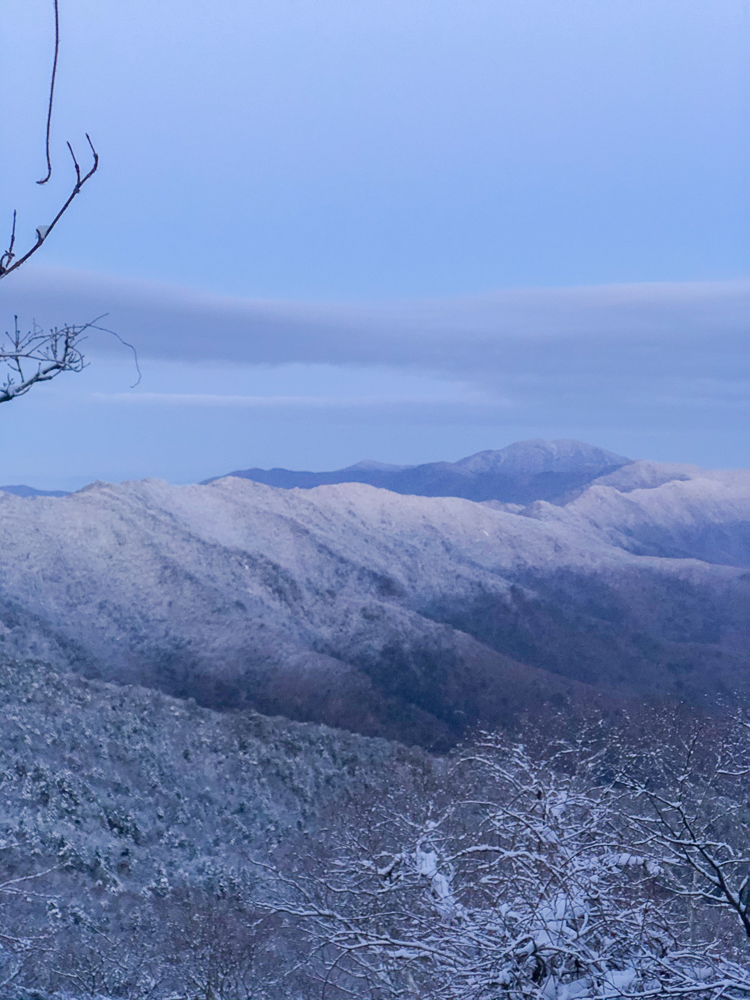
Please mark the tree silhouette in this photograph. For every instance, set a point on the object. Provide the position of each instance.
(28, 358)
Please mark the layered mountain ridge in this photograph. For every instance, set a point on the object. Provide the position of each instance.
(521, 473)
(30, 491)
(404, 616)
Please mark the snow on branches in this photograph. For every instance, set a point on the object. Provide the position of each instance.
(690, 811)
(38, 356)
(530, 886)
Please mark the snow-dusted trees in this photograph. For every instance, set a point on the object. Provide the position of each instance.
(37, 356)
(21, 940)
(529, 886)
(691, 812)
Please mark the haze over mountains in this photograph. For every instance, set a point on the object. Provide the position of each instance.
(408, 616)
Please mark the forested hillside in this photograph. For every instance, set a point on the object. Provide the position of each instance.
(412, 618)
(152, 849)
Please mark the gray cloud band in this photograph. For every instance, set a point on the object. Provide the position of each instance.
(630, 334)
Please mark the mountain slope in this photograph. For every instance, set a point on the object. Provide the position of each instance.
(521, 473)
(675, 512)
(140, 815)
(404, 616)
(99, 767)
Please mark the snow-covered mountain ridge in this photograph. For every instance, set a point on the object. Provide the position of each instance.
(395, 615)
(675, 512)
(522, 472)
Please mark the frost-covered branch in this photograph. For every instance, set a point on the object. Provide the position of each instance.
(39, 356)
(528, 889)
(19, 884)
(692, 815)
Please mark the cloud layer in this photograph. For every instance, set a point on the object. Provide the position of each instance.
(667, 341)
(658, 371)
(667, 329)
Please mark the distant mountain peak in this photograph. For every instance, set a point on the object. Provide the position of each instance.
(537, 456)
(521, 473)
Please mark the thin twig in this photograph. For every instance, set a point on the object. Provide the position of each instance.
(94, 325)
(52, 94)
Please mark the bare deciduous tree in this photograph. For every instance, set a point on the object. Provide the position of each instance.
(21, 945)
(213, 945)
(692, 814)
(527, 888)
(38, 356)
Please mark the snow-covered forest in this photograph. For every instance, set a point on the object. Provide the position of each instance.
(206, 854)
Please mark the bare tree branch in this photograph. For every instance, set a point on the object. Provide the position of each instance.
(51, 100)
(530, 889)
(9, 261)
(691, 814)
(38, 357)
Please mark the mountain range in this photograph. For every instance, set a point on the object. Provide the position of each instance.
(521, 473)
(29, 491)
(411, 617)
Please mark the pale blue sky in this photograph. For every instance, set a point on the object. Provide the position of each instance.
(353, 151)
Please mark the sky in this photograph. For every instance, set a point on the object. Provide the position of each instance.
(405, 230)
